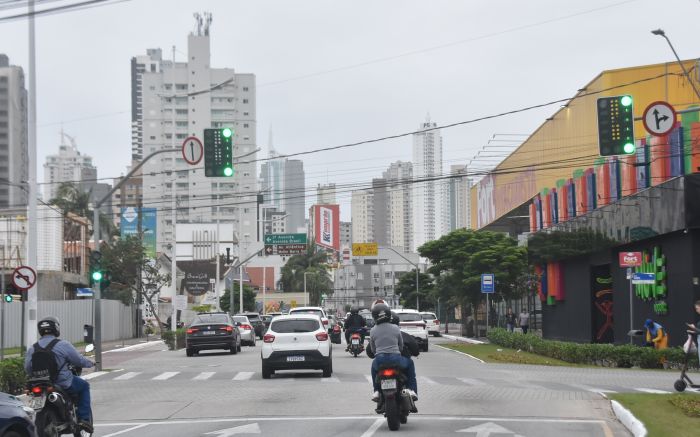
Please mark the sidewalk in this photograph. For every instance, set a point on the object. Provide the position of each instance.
(109, 345)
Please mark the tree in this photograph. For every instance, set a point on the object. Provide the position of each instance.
(248, 298)
(314, 264)
(71, 199)
(406, 288)
(544, 247)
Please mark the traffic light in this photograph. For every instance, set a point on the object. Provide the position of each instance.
(8, 297)
(616, 125)
(95, 267)
(218, 152)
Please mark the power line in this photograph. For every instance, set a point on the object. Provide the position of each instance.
(86, 4)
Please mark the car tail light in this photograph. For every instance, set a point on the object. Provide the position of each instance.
(268, 338)
(36, 390)
(437, 322)
(192, 330)
(226, 328)
(248, 327)
(322, 336)
(388, 372)
(336, 328)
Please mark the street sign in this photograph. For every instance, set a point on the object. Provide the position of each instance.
(84, 292)
(659, 118)
(365, 249)
(285, 249)
(630, 259)
(192, 150)
(180, 302)
(276, 239)
(24, 277)
(488, 283)
(644, 278)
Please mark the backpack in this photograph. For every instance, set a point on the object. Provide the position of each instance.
(44, 364)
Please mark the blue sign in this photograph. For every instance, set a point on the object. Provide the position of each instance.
(644, 278)
(129, 225)
(84, 292)
(488, 283)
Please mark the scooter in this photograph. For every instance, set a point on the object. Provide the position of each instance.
(356, 344)
(56, 409)
(394, 402)
(690, 347)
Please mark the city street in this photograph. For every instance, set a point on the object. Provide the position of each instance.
(155, 392)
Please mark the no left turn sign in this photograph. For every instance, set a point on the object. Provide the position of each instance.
(24, 277)
(659, 118)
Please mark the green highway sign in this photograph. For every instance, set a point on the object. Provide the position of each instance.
(275, 239)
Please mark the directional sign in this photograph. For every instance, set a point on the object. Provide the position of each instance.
(285, 249)
(253, 428)
(365, 249)
(488, 283)
(192, 150)
(630, 259)
(24, 277)
(659, 118)
(644, 278)
(275, 239)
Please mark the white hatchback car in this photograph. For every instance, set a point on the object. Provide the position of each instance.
(432, 323)
(320, 312)
(411, 322)
(296, 341)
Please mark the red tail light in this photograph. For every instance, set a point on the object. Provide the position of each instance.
(355, 335)
(437, 322)
(336, 328)
(388, 372)
(322, 336)
(36, 390)
(226, 328)
(248, 327)
(268, 338)
(192, 330)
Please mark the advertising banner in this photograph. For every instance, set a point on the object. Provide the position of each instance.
(327, 225)
(130, 226)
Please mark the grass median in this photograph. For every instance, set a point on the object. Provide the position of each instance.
(676, 415)
(492, 353)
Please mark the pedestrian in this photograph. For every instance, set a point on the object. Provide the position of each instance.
(656, 334)
(510, 319)
(694, 330)
(524, 320)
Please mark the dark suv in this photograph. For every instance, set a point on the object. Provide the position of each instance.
(257, 322)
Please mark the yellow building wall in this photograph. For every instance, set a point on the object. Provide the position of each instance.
(569, 139)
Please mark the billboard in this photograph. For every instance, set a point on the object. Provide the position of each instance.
(130, 226)
(327, 226)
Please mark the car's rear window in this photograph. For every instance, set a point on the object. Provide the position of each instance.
(290, 326)
(253, 317)
(410, 317)
(429, 317)
(315, 312)
(242, 319)
(211, 318)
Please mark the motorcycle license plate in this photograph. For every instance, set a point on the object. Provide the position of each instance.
(36, 402)
(296, 358)
(388, 384)
(355, 341)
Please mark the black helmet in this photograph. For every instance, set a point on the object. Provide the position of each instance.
(395, 318)
(49, 325)
(381, 313)
(354, 309)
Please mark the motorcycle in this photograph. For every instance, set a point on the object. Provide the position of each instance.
(56, 409)
(356, 344)
(336, 335)
(394, 402)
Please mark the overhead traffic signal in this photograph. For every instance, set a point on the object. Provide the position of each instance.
(218, 152)
(616, 125)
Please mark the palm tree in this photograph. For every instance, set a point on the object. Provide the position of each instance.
(70, 199)
(314, 263)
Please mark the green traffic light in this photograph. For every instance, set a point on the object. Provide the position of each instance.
(226, 132)
(626, 100)
(96, 276)
(629, 148)
(8, 298)
(228, 171)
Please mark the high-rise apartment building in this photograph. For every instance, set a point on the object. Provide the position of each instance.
(14, 153)
(68, 165)
(174, 100)
(345, 234)
(399, 177)
(282, 185)
(430, 212)
(362, 212)
(325, 194)
(459, 198)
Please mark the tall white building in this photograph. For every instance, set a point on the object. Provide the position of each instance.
(325, 194)
(430, 213)
(400, 201)
(459, 196)
(14, 158)
(68, 165)
(174, 100)
(362, 213)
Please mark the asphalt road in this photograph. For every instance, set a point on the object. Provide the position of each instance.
(150, 391)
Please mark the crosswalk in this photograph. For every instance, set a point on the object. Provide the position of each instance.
(291, 377)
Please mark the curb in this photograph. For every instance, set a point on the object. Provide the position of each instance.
(463, 339)
(625, 416)
(461, 353)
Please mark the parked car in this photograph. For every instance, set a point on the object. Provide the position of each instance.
(257, 323)
(296, 341)
(16, 419)
(246, 329)
(431, 322)
(212, 331)
(320, 312)
(411, 322)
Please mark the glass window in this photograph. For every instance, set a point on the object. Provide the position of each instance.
(410, 317)
(210, 318)
(290, 326)
(429, 317)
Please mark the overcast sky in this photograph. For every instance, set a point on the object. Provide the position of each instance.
(455, 59)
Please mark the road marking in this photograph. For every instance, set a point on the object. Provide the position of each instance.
(653, 391)
(163, 376)
(253, 428)
(485, 429)
(331, 379)
(127, 375)
(461, 353)
(243, 376)
(124, 431)
(136, 346)
(426, 380)
(372, 429)
(591, 389)
(204, 375)
(94, 374)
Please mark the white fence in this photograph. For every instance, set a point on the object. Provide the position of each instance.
(117, 319)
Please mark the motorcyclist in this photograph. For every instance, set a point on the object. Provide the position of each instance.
(410, 345)
(354, 323)
(64, 352)
(386, 340)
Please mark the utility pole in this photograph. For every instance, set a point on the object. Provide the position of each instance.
(173, 203)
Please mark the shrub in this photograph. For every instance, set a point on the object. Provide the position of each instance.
(607, 355)
(689, 405)
(170, 337)
(12, 375)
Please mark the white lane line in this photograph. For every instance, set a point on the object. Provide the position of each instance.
(204, 375)
(653, 391)
(136, 346)
(163, 376)
(425, 380)
(461, 353)
(243, 376)
(372, 429)
(369, 379)
(124, 431)
(94, 374)
(591, 389)
(331, 379)
(127, 375)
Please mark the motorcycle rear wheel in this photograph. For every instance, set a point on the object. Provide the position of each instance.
(392, 413)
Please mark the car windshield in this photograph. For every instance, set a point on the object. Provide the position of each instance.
(210, 318)
(253, 317)
(315, 312)
(290, 326)
(241, 319)
(410, 317)
(429, 317)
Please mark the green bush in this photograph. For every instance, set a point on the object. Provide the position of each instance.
(12, 376)
(169, 338)
(606, 355)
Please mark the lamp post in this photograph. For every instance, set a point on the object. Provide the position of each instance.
(417, 273)
(661, 33)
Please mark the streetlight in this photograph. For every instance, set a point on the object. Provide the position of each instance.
(661, 33)
(417, 278)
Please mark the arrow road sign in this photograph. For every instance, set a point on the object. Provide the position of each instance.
(192, 150)
(486, 429)
(275, 239)
(285, 249)
(659, 118)
(24, 277)
(253, 428)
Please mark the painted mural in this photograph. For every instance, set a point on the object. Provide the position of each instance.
(495, 200)
(602, 304)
